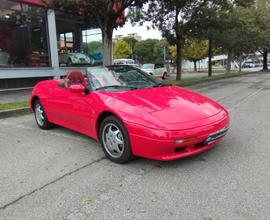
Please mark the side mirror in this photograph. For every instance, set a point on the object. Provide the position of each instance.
(76, 88)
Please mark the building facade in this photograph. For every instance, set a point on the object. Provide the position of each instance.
(38, 43)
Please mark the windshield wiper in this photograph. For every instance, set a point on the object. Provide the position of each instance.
(161, 85)
(116, 87)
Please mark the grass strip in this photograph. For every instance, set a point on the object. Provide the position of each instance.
(13, 105)
(195, 80)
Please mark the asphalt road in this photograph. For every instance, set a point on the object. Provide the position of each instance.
(59, 174)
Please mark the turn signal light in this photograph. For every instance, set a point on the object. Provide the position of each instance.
(180, 141)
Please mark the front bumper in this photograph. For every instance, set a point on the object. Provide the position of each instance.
(162, 145)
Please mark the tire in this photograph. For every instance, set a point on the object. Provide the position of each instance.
(40, 116)
(114, 140)
(165, 75)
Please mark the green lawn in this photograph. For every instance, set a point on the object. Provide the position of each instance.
(13, 105)
(194, 80)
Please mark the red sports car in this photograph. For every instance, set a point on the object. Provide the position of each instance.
(130, 113)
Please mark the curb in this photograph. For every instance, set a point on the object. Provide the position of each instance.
(184, 84)
(14, 112)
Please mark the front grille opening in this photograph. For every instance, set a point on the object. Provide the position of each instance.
(199, 145)
(180, 149)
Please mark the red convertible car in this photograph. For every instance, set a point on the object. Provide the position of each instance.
(130, 113)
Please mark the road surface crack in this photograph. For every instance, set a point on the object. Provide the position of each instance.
(50, 183)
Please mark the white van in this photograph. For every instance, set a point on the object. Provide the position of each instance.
(125, 61)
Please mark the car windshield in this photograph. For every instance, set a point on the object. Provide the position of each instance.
(119, 78)
(148, 66)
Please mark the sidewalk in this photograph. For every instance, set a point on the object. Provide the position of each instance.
(14, 95)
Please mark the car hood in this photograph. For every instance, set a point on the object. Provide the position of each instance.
(169, 105)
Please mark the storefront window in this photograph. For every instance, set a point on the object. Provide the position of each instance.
(67, 41)
(92, 45)
(79, 43)
(23, 36)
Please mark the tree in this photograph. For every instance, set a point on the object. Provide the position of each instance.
(92, 47)
(172, 52)
(261, 16)
(206, 23)
(239, 35)
(171, 18)
(131, 41)
(160, 48)
(244, 3)
(195, 50)
(121, 49)
(144, 50)
(107, 14)
(166, 16)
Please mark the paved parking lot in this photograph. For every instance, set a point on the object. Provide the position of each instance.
(59, 174)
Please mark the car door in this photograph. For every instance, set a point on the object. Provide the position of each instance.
(158, 70)
(72, 110)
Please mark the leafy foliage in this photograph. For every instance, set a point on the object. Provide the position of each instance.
(195, 50)
(92, 47)
(144, 50)
(131, 41)
(121, 49)
(158, 51)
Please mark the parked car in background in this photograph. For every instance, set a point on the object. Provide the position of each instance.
(4, 58)
(125, 61)
(249, 64)
(157, 70)
(74, 59)
(96, 58)
(36, 58)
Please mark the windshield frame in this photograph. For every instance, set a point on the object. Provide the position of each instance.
(155, 82)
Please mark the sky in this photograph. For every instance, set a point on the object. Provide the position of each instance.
(95, 34)
(140, 30)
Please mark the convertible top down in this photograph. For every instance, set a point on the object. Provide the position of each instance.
(130, 113)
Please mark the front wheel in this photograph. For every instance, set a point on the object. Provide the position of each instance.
(114, 140)
(165, 76)
(40, 116)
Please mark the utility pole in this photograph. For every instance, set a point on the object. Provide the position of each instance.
(166, 64)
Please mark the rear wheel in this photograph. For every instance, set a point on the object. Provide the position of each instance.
(40, 116)
(115, 140)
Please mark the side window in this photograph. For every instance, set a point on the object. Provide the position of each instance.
(159, 65)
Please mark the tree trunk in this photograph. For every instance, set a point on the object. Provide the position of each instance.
(265, 60)
(178, 46)
(240, 63)
(210, 54)
(178, 60)
(195, 65)
(229, 62)
(107, 33)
